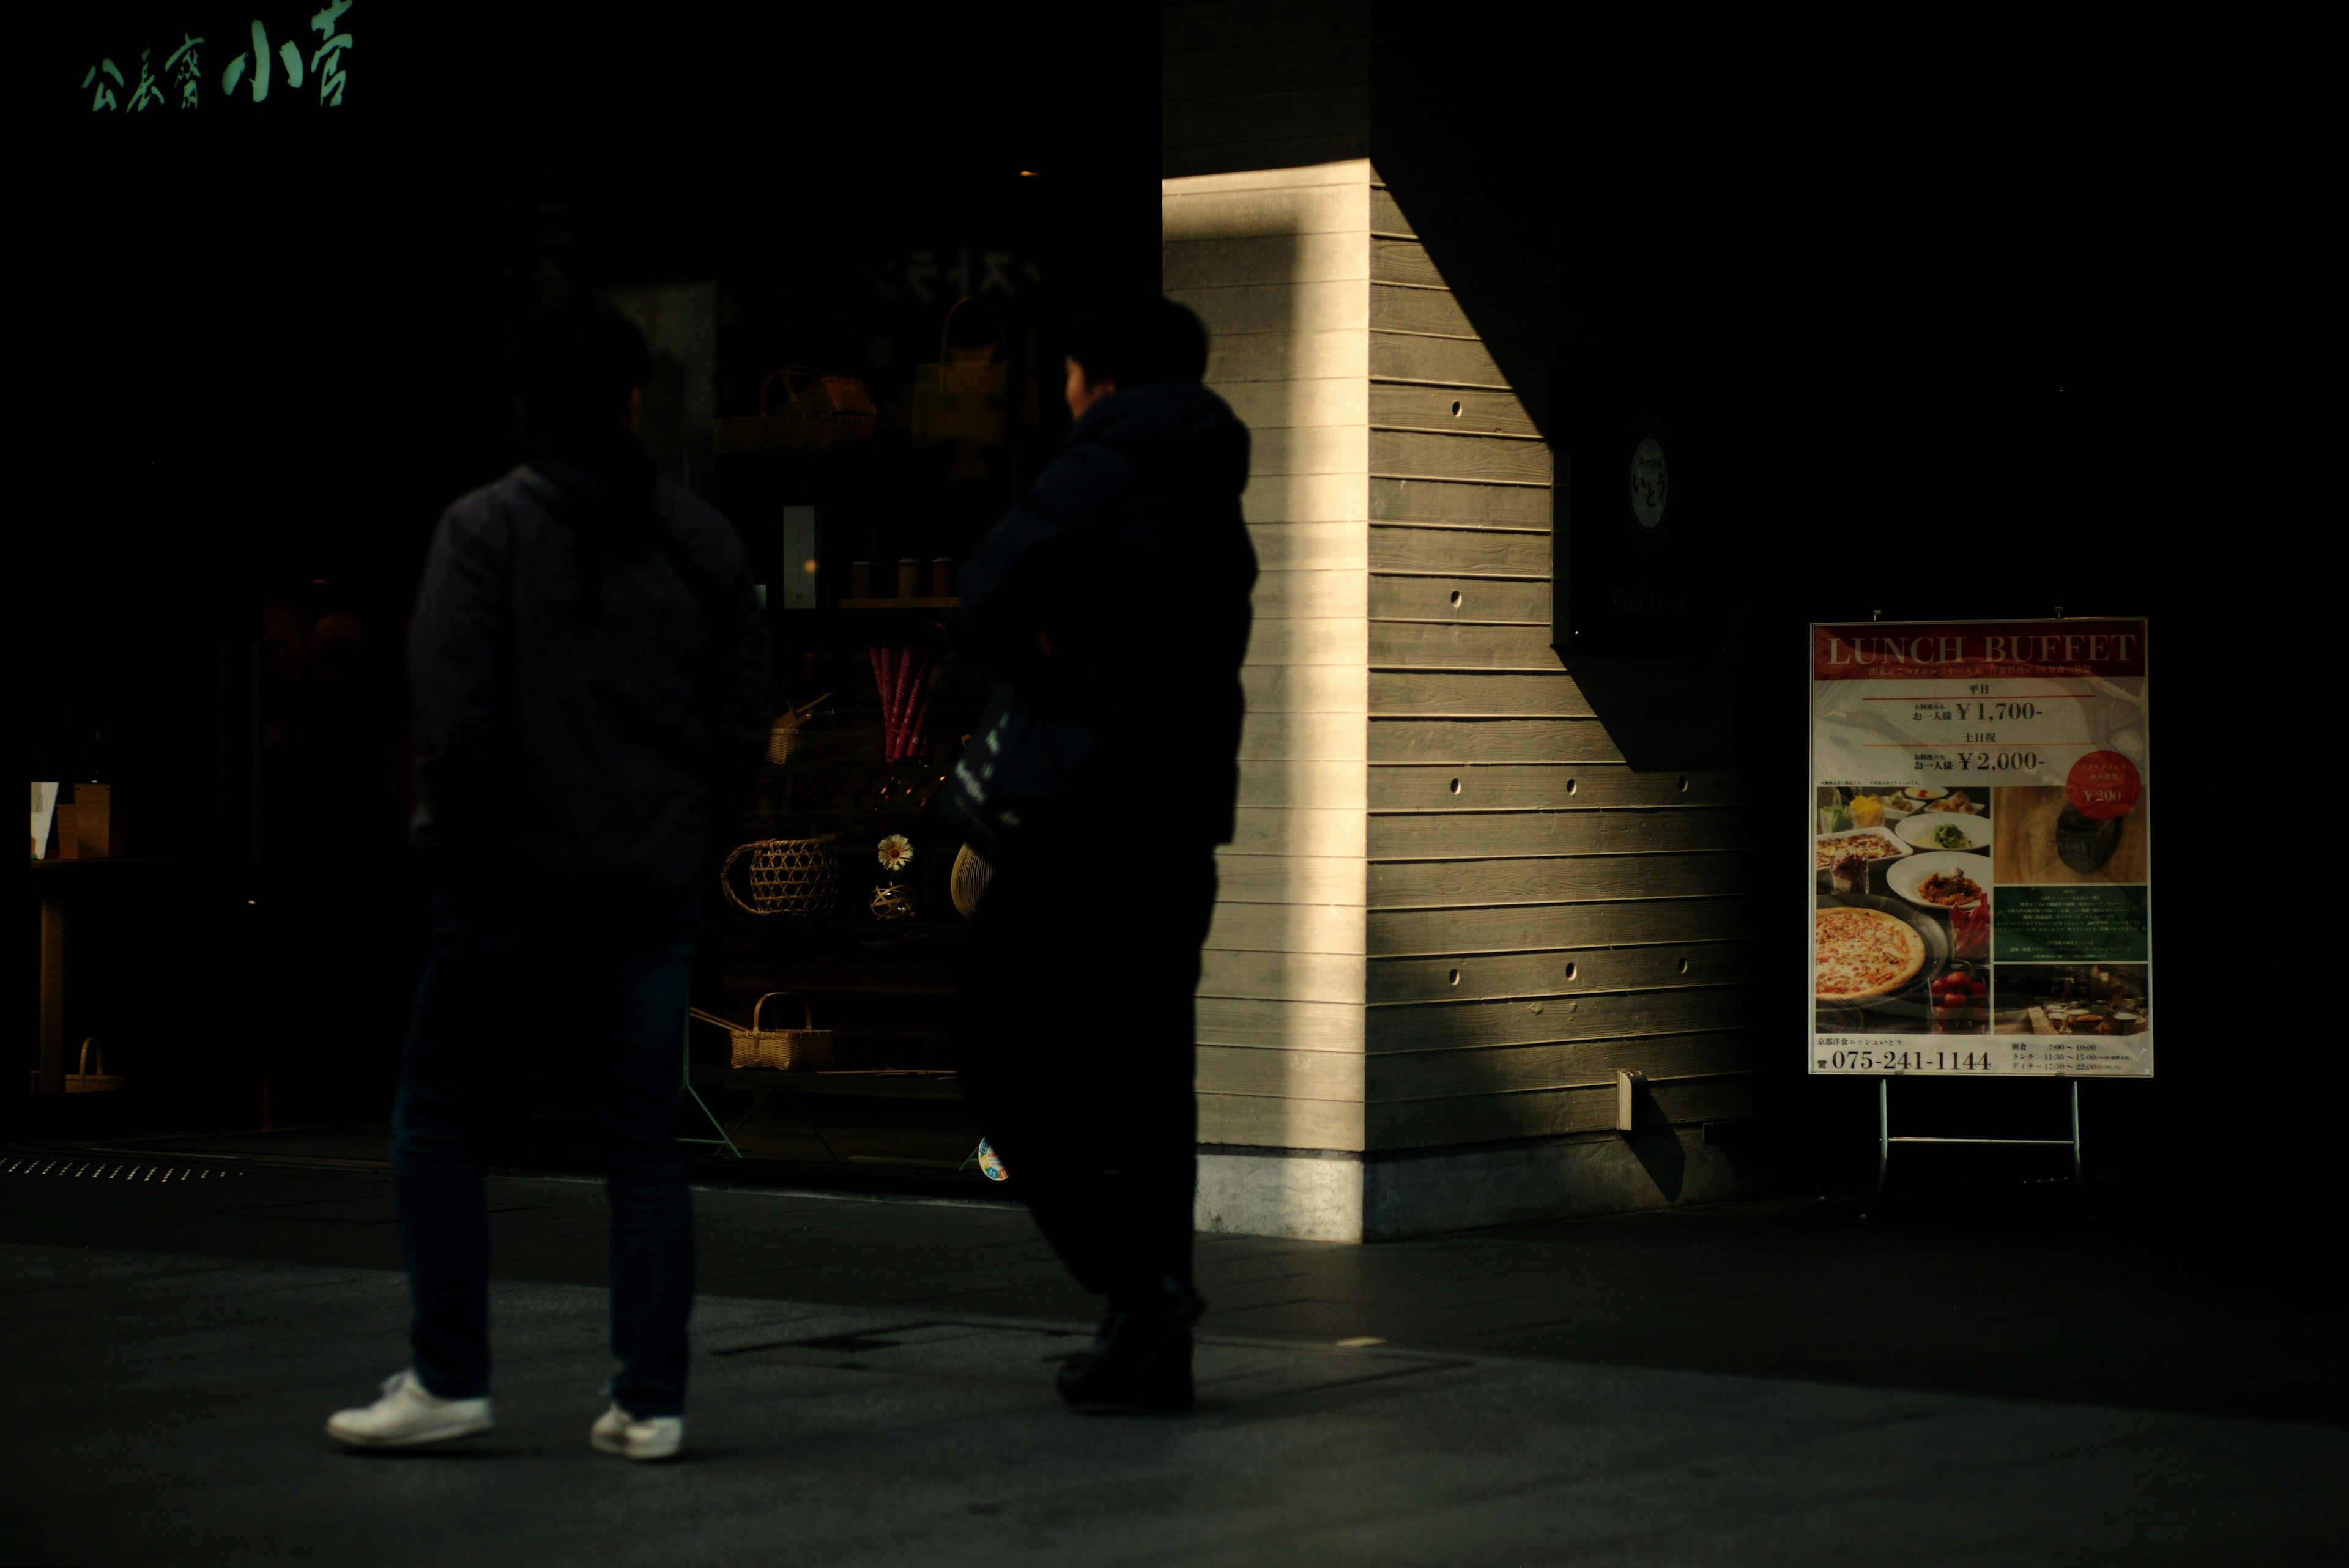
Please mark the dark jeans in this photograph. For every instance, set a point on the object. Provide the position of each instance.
(1074, 1045)
(505, 991)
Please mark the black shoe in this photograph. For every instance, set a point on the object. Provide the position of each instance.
(1141, 1359)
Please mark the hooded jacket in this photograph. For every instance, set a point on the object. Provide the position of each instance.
(1131, 559)
(589, 678)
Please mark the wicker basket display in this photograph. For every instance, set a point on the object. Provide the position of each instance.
(806, 1050)
(787, 876)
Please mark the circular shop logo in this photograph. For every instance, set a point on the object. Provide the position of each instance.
(1651, 484)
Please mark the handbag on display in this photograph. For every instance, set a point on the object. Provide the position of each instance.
(819, 411)
(965, 396)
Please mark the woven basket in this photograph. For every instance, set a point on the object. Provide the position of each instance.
(802, 1050)
(81, 1080)
(784, 740)
(787, 876)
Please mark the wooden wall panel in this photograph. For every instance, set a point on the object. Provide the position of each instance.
(1416, 693)
(1336, 640)
(1447, 361)
(1288, 1025)
(1443, 1026)
(1431, 311)
(1277, 737)
(1400, 933)
(1197, 210)
(1311, 596)
(1426, 884)
(1276, 1121)
(1415, 645)
(1455, 411)
(1334, 119)
(1325, 786)
(1432, 454)
(1284, 450)
(1404, 261)
(1450, 909)
(1282, 546)
(1453, 505)
(1280, 1009)
(1562, 971)
(1283, 976)
(1289, 879)
(1285, 355)
(1328, 400)
(1459, 553)
(1508, 786)
(1299, 829)
(1302, 499)
(1299, 1074)
(1583, 831)
(1261, 259)
(1340, 305)
(1514, 1070)
(1549, 1113)
(1460, 601)
(1333, 928)
(1386, 218)
(1580, 738)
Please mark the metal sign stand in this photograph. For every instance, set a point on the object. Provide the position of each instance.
(724, 1140)
(1885, 1140)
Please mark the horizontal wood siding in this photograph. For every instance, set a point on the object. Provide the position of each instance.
(1569, 971)
(1539, 914)
(1491, 1117)
(1280, 274)
(1554, 785)
(1262, 88)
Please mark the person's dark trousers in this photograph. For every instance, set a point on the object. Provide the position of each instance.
(1074, 1045)
(506, 991)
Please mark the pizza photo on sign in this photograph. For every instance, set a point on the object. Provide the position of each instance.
(1874, 961)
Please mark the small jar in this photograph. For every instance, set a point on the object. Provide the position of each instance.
(910, 578)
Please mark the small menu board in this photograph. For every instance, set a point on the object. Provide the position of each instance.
(1981, 849)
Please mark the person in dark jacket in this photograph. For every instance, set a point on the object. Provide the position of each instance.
(1114, 604)
(590, 686)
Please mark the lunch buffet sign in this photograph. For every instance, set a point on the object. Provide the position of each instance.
(1980, 860)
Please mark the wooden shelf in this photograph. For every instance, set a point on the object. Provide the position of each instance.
(900, 603)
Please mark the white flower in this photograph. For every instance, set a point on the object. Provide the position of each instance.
(897, 849)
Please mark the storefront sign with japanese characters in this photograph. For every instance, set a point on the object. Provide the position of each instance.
(1981, 849)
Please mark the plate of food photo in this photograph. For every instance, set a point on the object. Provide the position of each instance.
(1940, 880)
(1952, 830)
(1866, 844)
(1909, 801)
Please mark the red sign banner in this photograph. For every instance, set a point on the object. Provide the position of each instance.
(1978, 650)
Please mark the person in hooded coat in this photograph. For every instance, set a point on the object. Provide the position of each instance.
(1114, 604)
(589, 677)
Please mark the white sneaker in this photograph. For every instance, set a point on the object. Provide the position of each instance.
(409, 1414)
(652, 1438)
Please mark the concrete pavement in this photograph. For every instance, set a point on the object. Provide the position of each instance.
(871, 1386)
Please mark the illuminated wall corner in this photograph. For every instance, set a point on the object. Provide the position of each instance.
(1277, 264)
(1455, 908)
